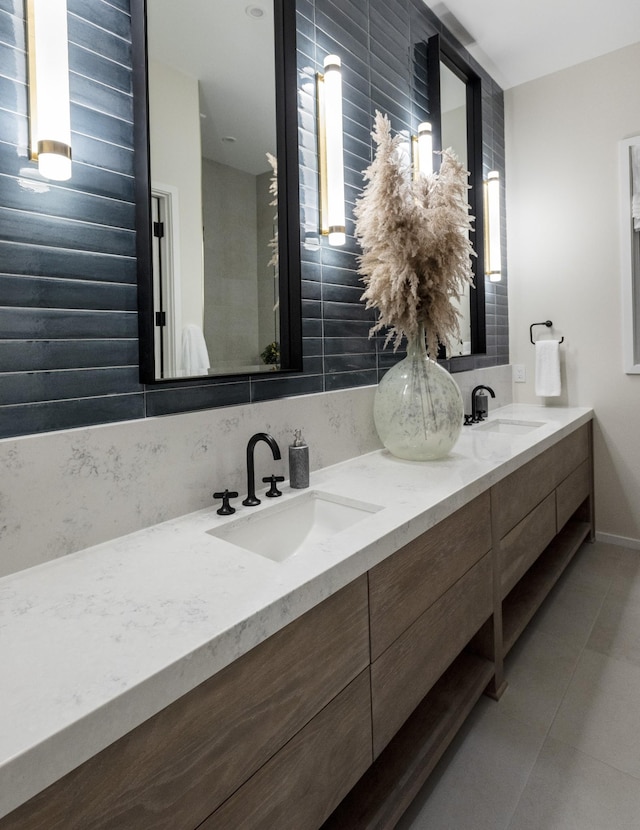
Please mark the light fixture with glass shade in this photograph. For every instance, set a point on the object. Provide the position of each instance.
(330, 151)
(423, 150)
(49, 109)
(493, 258)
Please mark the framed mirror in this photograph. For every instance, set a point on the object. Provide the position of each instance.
(455, 100)
(216, 188)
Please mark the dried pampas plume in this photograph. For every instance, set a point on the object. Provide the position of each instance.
(415, 241)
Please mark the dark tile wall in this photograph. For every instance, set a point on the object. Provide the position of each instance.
(68, 327)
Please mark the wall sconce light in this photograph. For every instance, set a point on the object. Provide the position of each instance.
(49, 110)
(422, 150)
(331, 160)
(493, 258)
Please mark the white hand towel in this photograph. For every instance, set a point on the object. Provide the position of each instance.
(195, 358)
(548, 368)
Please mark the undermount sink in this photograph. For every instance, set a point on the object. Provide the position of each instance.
(509, 426)
(285, 528)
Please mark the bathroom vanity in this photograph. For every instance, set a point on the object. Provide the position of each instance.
(203, 685)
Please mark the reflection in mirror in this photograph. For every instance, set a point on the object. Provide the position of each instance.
(214, 138)
(454, 95)
(453, 131)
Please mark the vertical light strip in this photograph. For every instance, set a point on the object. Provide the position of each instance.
(423, 151)
(331, 161)
(493, 264)
(49, 110)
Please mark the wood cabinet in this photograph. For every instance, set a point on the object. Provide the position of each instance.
(178, 767)
(424, 680)
(304, 782)
(405, 584)
(551, 525)
(341, 716)
(410, 667)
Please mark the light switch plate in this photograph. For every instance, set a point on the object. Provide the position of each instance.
(519, 373)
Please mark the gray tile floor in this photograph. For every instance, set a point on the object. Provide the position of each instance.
(561, 749)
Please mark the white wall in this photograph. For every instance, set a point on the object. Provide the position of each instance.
(564, 264)
(174, 112)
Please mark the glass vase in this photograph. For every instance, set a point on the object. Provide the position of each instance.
(418, 409)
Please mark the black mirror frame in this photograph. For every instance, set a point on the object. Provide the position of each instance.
(439, 51)
(288, 196)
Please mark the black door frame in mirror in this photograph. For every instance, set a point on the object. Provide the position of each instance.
(288, 195)
(439, 51)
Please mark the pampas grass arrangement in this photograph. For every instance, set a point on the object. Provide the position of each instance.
(415, 240)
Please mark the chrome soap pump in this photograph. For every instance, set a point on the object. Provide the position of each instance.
(298, 462)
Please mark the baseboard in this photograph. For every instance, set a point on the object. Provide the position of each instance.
(623, 541)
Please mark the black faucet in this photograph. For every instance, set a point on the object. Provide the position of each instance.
(251, 499)
(478, 415)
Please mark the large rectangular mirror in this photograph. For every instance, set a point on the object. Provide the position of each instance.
(216, 123)
(455, 111)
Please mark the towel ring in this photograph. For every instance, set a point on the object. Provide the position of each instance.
(546, 323)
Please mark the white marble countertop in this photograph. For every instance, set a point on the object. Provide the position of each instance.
(96, 642)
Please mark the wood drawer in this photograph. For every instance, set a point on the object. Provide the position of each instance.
(306, 780)
(405, 672)
(523, 545)
(175, 769)
(517, 494)
(572, 492)
(570, 453)
(403, 586)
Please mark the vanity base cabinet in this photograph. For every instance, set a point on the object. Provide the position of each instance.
(548, 533)
(538, 516)
(177, 768)
(348, 708)
(395, 778)
(410, 667)
(305, 781)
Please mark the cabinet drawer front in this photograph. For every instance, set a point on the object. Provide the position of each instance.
(405, 672)
(306, 780)
(523, 545)
(407, 583)
(570, 453)
(572, 492)
(517, 494)
(175, 769)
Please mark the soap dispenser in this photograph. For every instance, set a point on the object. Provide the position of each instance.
(298, 462)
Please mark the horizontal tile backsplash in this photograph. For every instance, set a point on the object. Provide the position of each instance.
(68, 322)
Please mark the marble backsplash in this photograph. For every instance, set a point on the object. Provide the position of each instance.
(65, 491)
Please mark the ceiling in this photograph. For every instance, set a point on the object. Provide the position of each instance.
(226, 47)
(516, 41)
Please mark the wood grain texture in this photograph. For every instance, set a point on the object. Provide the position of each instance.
(175, 769)
(304, 782)
(382, 795)
(572, 492)
(408, 669)
(523, 545)
(528, 595)
(403, 586)
(518, 493)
